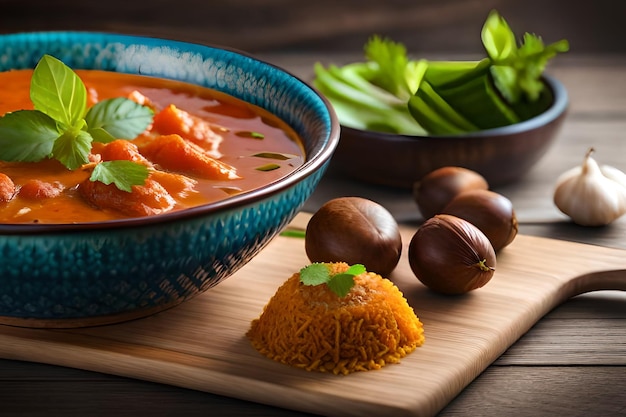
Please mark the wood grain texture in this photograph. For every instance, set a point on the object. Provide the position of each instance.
(201, 345)
(518, 395)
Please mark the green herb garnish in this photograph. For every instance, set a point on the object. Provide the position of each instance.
(516, 70)
(297, 233)
(275, 155)
(123, 174)
(61, 126)
(319, 273)
(251, 135)
(267, 167)
(390, 92)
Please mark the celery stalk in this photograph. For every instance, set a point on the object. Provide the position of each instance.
(451, 73)
(433, 121)
(449, 119)
(477, 101)
(361, 104)
(390, 92)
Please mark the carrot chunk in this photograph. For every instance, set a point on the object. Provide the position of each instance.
(172, 120)
(7, 188)
(37, 189)
(174, 153)
(144, 200)
(175, 184)
(121, 149)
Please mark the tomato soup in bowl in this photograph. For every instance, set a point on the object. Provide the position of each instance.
(200, 146)
(101, 223)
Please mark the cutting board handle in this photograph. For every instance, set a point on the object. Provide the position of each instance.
(597, 281)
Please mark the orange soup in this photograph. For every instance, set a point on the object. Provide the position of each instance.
(202, 146)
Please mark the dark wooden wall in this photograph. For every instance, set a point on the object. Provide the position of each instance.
(425, 26)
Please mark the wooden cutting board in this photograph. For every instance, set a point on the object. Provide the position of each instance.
(201, 344)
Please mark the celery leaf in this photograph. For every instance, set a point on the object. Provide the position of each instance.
(498, 38)
(392, 60)
(517, 69)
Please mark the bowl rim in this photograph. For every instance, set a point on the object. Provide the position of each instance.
(308, 168)
(556, 109)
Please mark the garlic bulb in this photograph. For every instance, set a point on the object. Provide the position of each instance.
(591, 195)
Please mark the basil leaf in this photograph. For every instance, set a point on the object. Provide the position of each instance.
(100, 135)
(315, 274)
(60, 128)
(27, 135)
(72, 148)
(356, 269)
(57, 91)
(124, 174)
(117, 118)
(341, 284)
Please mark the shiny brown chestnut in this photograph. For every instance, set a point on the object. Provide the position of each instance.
(436, 189)
(354, 230)
(450, 255)
(491, 212)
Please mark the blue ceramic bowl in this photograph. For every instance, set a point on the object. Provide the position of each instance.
(98, 273)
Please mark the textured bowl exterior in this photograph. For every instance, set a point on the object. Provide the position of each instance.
(80, 275)
(502, 155)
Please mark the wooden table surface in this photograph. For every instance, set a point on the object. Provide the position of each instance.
(572, 363)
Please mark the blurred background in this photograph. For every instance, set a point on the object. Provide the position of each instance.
(266, 26)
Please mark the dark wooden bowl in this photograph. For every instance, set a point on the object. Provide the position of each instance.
(502, 155)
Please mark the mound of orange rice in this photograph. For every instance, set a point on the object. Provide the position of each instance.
(311, 327)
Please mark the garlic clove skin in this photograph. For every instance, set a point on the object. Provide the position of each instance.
(591, 196)
(614, 174)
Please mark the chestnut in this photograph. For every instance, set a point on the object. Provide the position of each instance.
(354, 230)
(450, 255)
(491, 212)
(437, 188)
